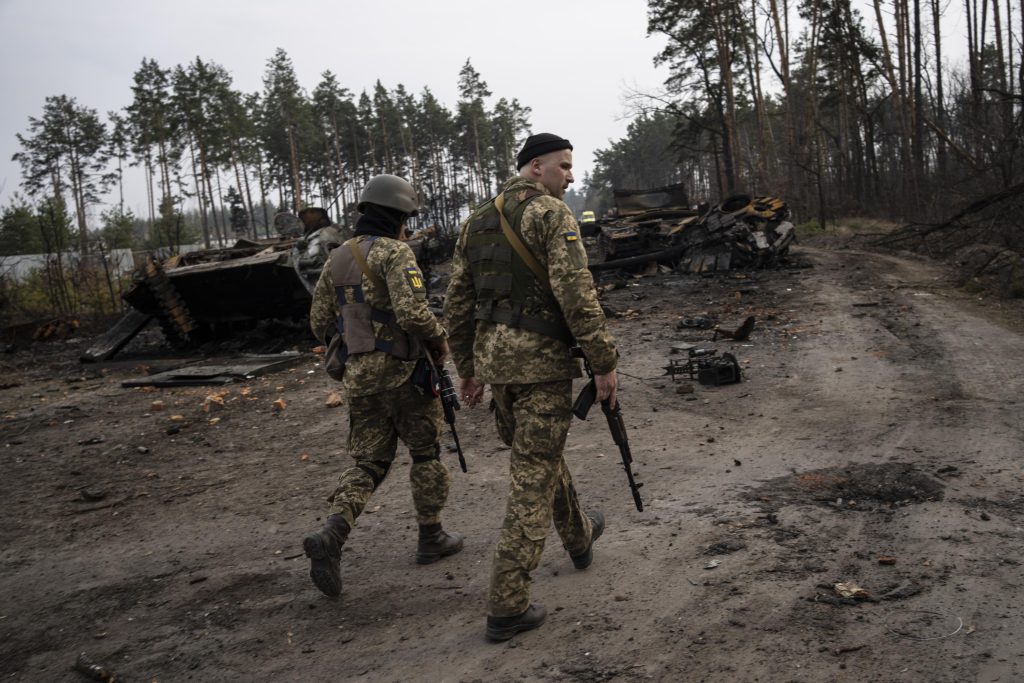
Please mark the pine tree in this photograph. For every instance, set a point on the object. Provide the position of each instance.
(287, 125)
(66, 150)
(475, 126)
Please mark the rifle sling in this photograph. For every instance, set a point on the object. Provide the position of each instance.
(524, 252)
(377, 280)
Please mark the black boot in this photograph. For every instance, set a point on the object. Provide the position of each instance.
(503, 628)
(583, 560)
(435, 543)
(323, 549)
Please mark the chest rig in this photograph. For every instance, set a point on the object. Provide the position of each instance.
(508, 290)
(355, 322)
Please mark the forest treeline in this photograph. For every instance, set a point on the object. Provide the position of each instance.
(839, 113)
(239, 157)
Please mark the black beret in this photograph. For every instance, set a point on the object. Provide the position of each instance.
(539, 144)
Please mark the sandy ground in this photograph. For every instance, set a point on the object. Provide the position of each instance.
(879, 417)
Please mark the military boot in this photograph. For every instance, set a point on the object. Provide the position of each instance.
(503, 628)
(323, 549)
(583, 560)
(435, 543)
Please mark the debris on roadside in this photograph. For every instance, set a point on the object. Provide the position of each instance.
(725, 547)
(848, 589)
(86, 666)
(204, 374)
(657, 226)
(706, 367)
(741, 333)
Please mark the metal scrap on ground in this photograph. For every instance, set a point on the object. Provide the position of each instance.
(213, 374)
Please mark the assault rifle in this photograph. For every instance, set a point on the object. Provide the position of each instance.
(616, 426)
(442, 383)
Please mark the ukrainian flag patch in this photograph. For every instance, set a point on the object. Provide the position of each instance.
(571, 236)
(415, 278)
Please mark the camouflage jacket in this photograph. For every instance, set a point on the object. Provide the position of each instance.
(499, 354)
(406, 295)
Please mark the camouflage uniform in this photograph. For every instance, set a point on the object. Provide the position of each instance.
(531, 380)
(384, 406)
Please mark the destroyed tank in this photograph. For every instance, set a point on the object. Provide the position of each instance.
(657, 225)
(200, 295)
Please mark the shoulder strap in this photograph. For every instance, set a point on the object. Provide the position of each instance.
(357, 254)
(524, 252)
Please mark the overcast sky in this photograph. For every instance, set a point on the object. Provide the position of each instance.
(570, 61)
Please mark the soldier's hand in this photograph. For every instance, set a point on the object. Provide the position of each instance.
(438, 349)
(607, 387)
(471, 390)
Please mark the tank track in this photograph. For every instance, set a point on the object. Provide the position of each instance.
(173, 315)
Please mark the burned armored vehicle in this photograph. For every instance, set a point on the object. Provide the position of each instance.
(658, 225)
(645, 221)
(200, 295)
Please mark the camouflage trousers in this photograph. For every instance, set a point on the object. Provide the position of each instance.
(375, 424)
(534, 419)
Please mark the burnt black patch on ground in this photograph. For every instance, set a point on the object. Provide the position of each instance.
(853, 487)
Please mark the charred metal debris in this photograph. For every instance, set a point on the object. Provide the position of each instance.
(208, 294)
(658, 226)
(212, 293)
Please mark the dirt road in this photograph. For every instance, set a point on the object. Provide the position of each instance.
(879, 417)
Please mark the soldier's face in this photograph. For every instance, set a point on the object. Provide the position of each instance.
(555, 171)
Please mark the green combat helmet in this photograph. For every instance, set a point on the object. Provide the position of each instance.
(392, 192)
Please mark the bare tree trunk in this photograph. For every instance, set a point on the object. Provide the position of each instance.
(149, 190)
(220, 195)
(263, 197)
(940, 106)
(296, 182)
(918, 142)
(248, 197)
(199, 195)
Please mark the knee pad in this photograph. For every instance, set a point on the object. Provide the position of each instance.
(377, 470)
(417, 459)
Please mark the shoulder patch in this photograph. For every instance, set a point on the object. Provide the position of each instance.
(571, 235)
(415, 279)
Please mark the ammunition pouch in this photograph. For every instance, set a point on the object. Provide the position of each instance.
(508, 291)
(334, 359)
(356, 331)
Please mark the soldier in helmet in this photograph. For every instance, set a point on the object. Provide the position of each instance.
(520, 295)
(372, 294)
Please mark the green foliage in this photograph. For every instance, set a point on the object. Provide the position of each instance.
(118, 231)
(171, 229)
(54, 225)
(63, 289)
(27, 299)
(67, 150)
(808, 228)
(644, 159)
(1015, 290)
(239, 218)
(194, 135)
(19, 229)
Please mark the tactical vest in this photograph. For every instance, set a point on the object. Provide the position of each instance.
(355, 322)
(507, 291)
